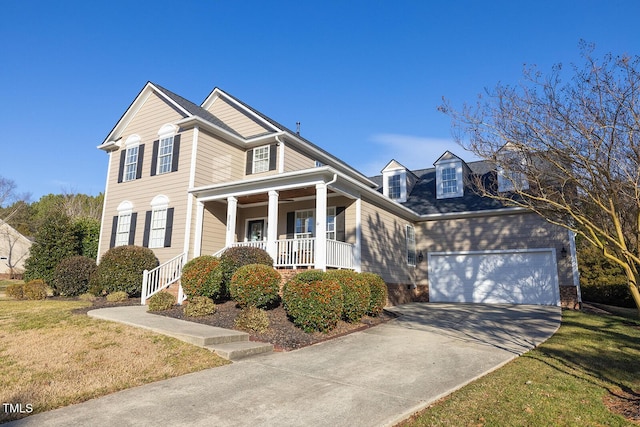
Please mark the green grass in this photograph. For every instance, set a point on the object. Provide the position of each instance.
(561, 383)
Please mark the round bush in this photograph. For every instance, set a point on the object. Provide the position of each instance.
(255, 285)
(379, 293)
(161, 301)
(121, 269)
(72, 275)
(15, 290)
(35, 290)
(199, 306)
(234, 258)
(356, 293)
(309, 276)
(315, 306)
(202, 277)
(252, 319)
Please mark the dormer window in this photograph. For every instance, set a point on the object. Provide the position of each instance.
(394, 182)
(449, 176)
(511, 171)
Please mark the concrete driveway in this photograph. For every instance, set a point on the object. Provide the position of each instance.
(376, 377)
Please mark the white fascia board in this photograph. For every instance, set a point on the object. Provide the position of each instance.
(471, 214)
(131, 112)
(199, 121)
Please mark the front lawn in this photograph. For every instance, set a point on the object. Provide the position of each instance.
(591, 365)
(51, 357)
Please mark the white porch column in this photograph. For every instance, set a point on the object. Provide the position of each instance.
(357, 248)
(321, 227)
(197, 243)
(272, 225)
(232, 210)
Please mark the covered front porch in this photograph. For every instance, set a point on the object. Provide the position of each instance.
(306, 219)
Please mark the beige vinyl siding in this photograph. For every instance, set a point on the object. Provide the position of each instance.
(218, 161)
(213, 227)
(295, 160)
(384, 245)
(140, 192)
(518, 231)
(238, 119)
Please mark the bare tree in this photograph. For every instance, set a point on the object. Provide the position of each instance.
(9, 196)
(567, 151)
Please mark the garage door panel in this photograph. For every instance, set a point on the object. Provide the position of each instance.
(519, 277)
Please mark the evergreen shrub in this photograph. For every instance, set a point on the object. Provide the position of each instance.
(356, 292)
(199, 306)
(71, 277)
(121, 269)
(202, 276)
(161, 301)
(313, 306)
(379, 293)
(255, 285)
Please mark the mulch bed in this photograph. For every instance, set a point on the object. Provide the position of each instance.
(282, 333)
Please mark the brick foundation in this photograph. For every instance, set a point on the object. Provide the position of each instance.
(569, 298)
(401, 293)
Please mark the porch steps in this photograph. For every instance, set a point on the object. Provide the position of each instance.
(226, 343)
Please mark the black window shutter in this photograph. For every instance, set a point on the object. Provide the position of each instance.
(340, 231)
(147, 229)
(291, 224)
(176, 153)
(249, 162)
(168, 231)
(154, 157)
(123, 155)
(140, 159)
(273, 155)
(132, 229)
(114, 231)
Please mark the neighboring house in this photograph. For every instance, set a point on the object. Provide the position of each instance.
(188, 180)
(14, 251)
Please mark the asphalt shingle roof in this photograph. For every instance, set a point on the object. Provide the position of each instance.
(423, 200)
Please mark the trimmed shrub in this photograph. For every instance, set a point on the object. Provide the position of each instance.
(202, 277)
(610, 294)
(309, 276)
(234, 258)
(161, 301)
(121, 269)
(252, 319)
(72, 275)
(199, 306)
(314, 306)
(255, 285)
(15, 290)
(356, 293)
(379, 293)
(35, 290)
(117, 296)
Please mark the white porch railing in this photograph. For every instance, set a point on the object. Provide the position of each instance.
(161, 277)
(302, 252)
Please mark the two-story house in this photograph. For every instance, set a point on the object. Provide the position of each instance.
(187, 180)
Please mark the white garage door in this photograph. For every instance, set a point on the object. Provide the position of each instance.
(511, 277)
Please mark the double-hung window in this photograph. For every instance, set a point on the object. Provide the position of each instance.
(395, 186)
(165, 155)
(124, 227)
(304, 224)
(131, 163)
(331, 223)
(411, 245)
(261, 159)
(158, 227)
(449, 181)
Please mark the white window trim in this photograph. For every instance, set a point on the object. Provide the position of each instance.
(125, 210)
(403, 184)
(159, 205)
(440, 167)
(331, 211)
(132, 142)
(166, 132)
(255, 160)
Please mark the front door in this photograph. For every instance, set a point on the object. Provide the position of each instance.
(255, 230)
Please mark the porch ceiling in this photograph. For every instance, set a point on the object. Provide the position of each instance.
(284, 195)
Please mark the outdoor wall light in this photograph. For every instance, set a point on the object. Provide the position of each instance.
(420, 256)
(563, 252)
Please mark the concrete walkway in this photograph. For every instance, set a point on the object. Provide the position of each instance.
(376, 377)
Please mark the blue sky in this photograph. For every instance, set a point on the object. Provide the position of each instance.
(363, 77)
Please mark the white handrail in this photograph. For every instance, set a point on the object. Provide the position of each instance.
(161, 277)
